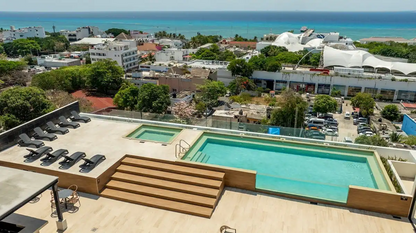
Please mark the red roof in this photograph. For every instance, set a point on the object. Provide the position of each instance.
(97, 102)
(408, 105)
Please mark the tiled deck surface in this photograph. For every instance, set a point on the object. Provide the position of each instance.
(243, 210)
(102, 137)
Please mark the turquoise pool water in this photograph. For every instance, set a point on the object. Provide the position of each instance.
(304, 170)
(155, 133)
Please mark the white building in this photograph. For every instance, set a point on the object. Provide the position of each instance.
(123, 52)
(173, 54)
(54, 61)
(83, 32)
(23, 33)
(171, 43)
(143, 36)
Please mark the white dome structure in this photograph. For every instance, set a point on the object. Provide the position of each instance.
(292, 42)
(359, 58)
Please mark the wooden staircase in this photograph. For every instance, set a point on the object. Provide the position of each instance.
(166, 185)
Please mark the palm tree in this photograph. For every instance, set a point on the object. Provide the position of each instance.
(395, 137)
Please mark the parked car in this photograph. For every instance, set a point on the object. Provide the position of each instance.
(363, 119)
(347, 115)
(331, 132)
(362, 125)
(331, 122)
(348, 139)
(365, 129)
(355, 121)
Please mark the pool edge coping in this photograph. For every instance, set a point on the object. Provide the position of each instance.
(153, 125)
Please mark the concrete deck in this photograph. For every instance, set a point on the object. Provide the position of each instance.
(243, 210)
(102, 137)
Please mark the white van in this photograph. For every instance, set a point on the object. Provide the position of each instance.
(317, 121)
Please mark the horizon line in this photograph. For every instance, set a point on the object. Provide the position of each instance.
(105, 11)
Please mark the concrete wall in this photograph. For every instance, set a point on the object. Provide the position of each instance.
(395, 152)
(409, 125)
(405, 169)
(11, 136)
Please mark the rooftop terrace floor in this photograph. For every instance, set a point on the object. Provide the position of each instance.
(101, 137)
(246, 211)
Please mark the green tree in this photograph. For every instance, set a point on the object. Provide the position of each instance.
(391, 112)
(21, 47)
(314, 59)
(226, 55)
(208, 55)
(210, 91)
(67, 79)
(272, 65)
(21, 104)
(240, 84)
(335, 92)
(365, 102)
(288, 57)
(375, 140)
(127, 97)
(258, 62)
(239, 67)
(153, 98)
(272, 50)
(7, 67)
(289, 104)
(105, 76)
(29, 60)
(1, 49)
(324, 104)
(117, 31)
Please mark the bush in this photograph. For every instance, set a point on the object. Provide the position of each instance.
(391, 112)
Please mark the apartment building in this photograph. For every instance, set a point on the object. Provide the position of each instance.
(83, 32)
(123, 52)
(23, 33)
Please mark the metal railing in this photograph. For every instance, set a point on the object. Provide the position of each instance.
(181, 149)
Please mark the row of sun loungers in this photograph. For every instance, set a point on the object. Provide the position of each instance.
(51, 129)
(67, 161)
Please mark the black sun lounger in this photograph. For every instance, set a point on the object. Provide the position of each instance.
(69, 161)
(52, 157)
(51, 128)
(35, 154)
(76, 117)
(39, 134)
(65, 123)
(26, 141)
(91, 163)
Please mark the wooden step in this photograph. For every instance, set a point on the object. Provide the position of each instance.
(157, 202)
(171, 167)
(162, 193)
(169, 185)
(170, 176)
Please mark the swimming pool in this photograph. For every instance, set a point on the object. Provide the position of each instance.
(155, 133)
(292, 168)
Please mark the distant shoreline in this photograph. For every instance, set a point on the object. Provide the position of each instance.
(355, 25)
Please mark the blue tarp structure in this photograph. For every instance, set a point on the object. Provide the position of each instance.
(274, 130)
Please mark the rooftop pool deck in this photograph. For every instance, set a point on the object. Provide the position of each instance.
(299, 169)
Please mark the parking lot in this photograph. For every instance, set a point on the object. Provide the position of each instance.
(345, 126)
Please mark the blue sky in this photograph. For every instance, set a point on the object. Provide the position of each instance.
(208, 5)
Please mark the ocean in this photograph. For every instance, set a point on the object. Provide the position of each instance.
(355, 25)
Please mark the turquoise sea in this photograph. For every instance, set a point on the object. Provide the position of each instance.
(249, 24)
